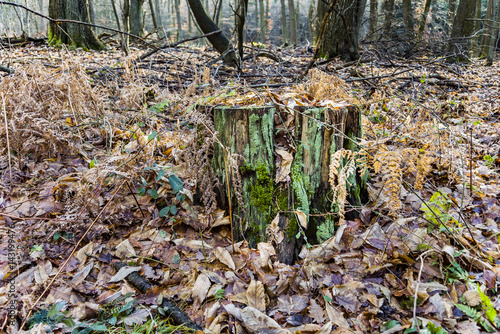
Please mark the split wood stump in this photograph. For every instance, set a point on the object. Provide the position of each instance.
(258, 140)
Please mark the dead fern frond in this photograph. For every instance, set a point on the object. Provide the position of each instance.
(342, 167)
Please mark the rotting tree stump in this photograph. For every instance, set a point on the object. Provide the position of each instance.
(252, 136)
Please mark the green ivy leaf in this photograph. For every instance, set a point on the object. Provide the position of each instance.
(161, 173)
(57, 235)
(164, 212)
(153, 193)
(173, 209)
(176, 183)
(152, 136)
(141, 191)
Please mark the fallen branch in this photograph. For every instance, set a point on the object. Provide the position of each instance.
(174, 312)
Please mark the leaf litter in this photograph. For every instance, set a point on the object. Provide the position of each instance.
(423, 253)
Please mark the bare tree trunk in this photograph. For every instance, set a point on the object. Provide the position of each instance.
(452, 5)
(373, 16)
(73, 34)
(423, 19)
(219, 41)
(241, 15)
(293, 22)
(489, 20)
(495, 34)
(117, 18)
(178, 19)
(263, 22)
(341, 34)
(312, 19)
(136, 17)
(462, 29)
(477, 26)
(389, 13)
(126, 25)
(284, 26)
(407, 18)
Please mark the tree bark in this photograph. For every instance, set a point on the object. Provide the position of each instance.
(249, 136)
(423, 19)
(219, 41)
(408, 18)
(293, 22)
(462, 29)
(137, 17)
(126, 26)
(389, 13)
(180, 35)
(495, 34)
(342, 30)
(76, 35)
(284, 25)
(373, 17)
(263, 22)
(452, 5)
(240, 18)
(489, 21)
(477, 26)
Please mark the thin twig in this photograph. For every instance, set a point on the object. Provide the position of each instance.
(415, 298)
(7, 133)
(135, 198)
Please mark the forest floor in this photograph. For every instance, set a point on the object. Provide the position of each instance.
(98, 163)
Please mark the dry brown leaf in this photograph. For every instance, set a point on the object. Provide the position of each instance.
(336, 317)
(80, 255)
(223, 256)
(472, 297)
(200, 288)
(316, 312)
(256, 295)
(257, 322)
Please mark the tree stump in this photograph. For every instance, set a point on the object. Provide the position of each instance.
(298, 208)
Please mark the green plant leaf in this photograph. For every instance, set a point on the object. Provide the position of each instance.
(173, 209)
(176, 183)
(153, 193)
(162, 233)
(161, 173)
(57, 235)
(92, 163)
(141, 191)
(164, 212)
(390, 324)
(152, 136)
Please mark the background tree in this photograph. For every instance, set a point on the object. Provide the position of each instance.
(463, 25)
(341, 34)
(219, 41)
(70, 33)
(137, 17)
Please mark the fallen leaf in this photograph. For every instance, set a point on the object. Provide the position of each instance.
(122, 273)
(200, 288)
(223, 256)
(256, 296)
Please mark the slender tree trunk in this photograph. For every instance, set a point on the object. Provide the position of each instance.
(126, 25)
(240, 18)
(117, 18)
(373, 17)
(477, 27)
(407, 18)
(495, 34)
(489, 20)
(263, 22)
(389, 13)
(219, 41)
(256, 10)
(312, 19)
(293, 22)
(284, 25)
(452, 6)
(423, 19)
(180, 35)
(462, 29)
